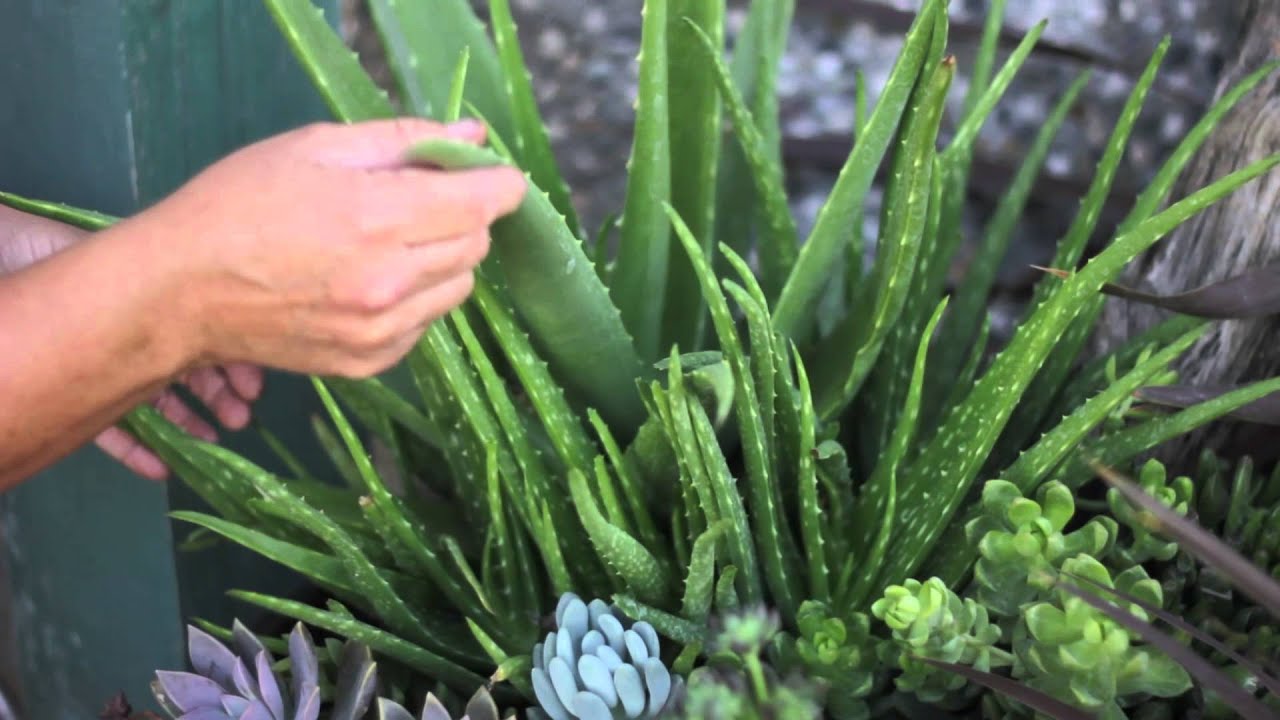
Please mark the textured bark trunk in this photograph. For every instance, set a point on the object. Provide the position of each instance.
(1240, 233)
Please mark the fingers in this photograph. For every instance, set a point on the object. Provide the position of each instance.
(215, 390)
(381, 144)
(390, 274)
(129, 452)
(414, 206)
(245, 379)
(172, 407)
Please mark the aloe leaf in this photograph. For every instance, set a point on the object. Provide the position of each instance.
(984, 104)
(1265, 411)
(738, 537)
(904, 226)
(970, 303)
(692, 500)
(458, 86)
(940, 478)
(961, 381)
(776, 550)
(609, 497)
(631, 489)
(1126, 444)
(668, 625)
(375, 394)
(1252, 294)
(71, 215)
(560, 298)
(793, 314)
(694, 113)
(640, 273)
(512, 591)
(390, 607)
(956, 555)
(811, 524)
(985, 59)
(685, 444)
(699, 583)
(766, 362)
(423, 43)
(878, 498)
(779, 244)
(347, 89)
(532, 143)
(379, 641)
(281, 451)
(638, 568)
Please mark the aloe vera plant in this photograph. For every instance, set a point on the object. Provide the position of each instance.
(681, 430)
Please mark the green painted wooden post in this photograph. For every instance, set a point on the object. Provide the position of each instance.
(110, 104)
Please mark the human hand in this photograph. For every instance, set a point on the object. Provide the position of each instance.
(320, 251)
(228, 392)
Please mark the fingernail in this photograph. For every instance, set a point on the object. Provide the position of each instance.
(466, 127)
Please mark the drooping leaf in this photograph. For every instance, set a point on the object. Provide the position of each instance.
(1014, 690)
(1252, 294)
(1264, 411)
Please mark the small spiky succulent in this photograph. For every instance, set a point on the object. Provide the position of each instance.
(594, 667)
(239, 683)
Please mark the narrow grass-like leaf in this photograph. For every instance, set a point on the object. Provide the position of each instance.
(532, 143)
(1073, 243)
(333, 449)
(700, 581)
(811, 522)
(1014, 690)
(609, 497)
(379, 641)
(511, 591)
(639, 279)
(560, 298)
(458, 87)
(347, 89)
(63, 213)
(941, 477)
(1265, 410)
(879, 495)
(905, 221)
(779, 243)
(955, 554)
(631, 488)
(423, 43)
(793, 314)
(985, 60)
(775, 545)
(376, 394)
(667, 625)
(985, 103)
(638, 568)
(738, 537)
(694, 114)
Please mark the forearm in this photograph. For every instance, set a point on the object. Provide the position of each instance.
(81, 346)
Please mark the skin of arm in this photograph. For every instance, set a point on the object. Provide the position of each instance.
(318, 251)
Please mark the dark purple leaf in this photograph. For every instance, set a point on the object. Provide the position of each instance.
(1214, 553)
(247, 645)
(1265, 411)
(269, 687)
(1015, 690)
(303, 665)
(308, 704)
(1253, 294)
(211, 658)
(1210, 677)
(357, 681)
(1267, 681)
(211, 713)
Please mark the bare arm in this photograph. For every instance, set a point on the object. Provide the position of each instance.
(82, 340)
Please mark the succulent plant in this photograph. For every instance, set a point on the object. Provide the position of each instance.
(1021, 542)
(597, 665)
(480, 707)
(841, 654)
(241, 684)
(929, 620)
(1078, 654)
(1144, 544)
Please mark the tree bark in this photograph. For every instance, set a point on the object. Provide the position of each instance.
(1240, 233)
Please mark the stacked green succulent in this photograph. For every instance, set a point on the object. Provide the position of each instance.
(611, 425)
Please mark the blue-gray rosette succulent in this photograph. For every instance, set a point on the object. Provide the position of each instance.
(597, 665)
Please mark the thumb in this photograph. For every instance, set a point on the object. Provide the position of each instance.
(381, 144)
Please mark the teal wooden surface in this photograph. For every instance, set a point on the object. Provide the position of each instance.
(110, 104)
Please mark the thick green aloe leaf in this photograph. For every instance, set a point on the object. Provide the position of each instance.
(793, 314)
(862, 339)
(563, 304)
(940, 478)
(424, 40)
(379, 641)
(533, 147)
(699, 583)
(632, 490)
(694, 114)
(776, 546)
(812, 524)
(639, 279)
(669, 626)
(347, 89)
